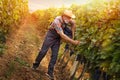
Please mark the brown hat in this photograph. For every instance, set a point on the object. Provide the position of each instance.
(69, 13)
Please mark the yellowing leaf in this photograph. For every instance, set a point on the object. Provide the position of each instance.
(106, 42)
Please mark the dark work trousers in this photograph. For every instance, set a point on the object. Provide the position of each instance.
(52, 41)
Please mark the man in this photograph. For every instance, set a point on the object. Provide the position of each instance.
(59, 29)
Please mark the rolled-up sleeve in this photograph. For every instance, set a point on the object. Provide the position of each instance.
(57, 25)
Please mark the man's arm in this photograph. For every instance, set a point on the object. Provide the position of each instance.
(73, 29)
(65, 37)
(58, 28)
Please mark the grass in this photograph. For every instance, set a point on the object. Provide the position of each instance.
(2, 49)
(21, 62)
(11, 69)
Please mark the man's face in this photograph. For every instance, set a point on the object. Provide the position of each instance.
(66, 19)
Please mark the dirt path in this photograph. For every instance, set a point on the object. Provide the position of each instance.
(22, 48)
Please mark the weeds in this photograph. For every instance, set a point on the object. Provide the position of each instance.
(21, 62)
(2, 49)
(11, 69)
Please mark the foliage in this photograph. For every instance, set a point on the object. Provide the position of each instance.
(99, 27)
(11, 11)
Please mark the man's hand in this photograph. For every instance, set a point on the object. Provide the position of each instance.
(76, 42)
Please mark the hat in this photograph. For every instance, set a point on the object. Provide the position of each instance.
(69, 13)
